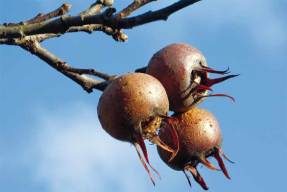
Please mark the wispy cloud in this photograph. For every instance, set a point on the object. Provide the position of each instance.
(71, 152)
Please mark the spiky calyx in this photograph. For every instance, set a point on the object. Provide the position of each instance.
(199, 138)
(183, 71)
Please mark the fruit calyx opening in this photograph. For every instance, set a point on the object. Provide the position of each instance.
(153, 124)
(148, 129)
(191, 166)
(205, 82)
(170, 121)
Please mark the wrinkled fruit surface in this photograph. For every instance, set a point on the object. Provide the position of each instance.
(183, 71)
(199, 138)
(132, 108)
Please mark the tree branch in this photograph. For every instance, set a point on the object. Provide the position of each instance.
(151, 16)
(65, 8)
(32, 45)
(38, 38)
(132, 7)
(65, 67)
(86, 82)
(106, 18)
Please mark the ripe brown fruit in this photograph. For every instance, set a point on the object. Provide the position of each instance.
(199, 137)
(183, 71)
(132, 108)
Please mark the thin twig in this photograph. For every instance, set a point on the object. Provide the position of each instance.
(86, 82)
(32, 45)
(151, 16)
(65, 8)
(39, 38)
(132, 7)
(64, 66)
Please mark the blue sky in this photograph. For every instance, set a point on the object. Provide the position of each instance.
(51, 139)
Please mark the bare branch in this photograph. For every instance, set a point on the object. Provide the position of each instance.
(65, 8)
(38, 38)
(86, 82)
(106, 18)
(132, 7)
(32, 45)
(64, 66)
(151, 16)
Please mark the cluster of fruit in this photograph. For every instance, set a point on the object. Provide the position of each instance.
(135, 107)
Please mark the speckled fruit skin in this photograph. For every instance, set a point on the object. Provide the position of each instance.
(129, 100)
(198, 132)
(173, 66)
